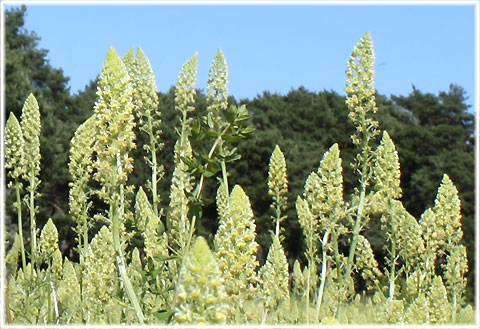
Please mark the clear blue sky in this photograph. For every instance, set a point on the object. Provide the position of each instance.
(274, 48)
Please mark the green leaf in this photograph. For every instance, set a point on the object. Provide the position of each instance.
(165, 315)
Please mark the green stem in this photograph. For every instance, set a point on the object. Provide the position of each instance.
(224, 172)
(153, 149)
(85, 238)
(184, 128)
(278, 213)
(33, 223)
(321, 288)
(121, 262)
(454, 307)
(200, 186)
(20, 223)
(311, 268)
(117, 211)
(361, 202)
(337, 258)
(391, 289)
(307, 307)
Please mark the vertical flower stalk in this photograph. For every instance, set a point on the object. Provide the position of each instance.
(178, 225)
(114, 139)
(361, 103)
(148, 224)
(274, 277)
(100, 282)
(448, 216)
(146, 110)
(50, 253)
(14, 160)
(278, 185)
(328, 206)
(202, 298)
(235, 248)
(217, 103)
(80, 167)
(31, 126)
(386, 188)
(69, 294)
(310, 230)
(185, 96)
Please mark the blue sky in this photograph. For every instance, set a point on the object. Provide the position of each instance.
(274, 47)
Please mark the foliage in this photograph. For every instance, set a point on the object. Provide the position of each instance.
(147, 263)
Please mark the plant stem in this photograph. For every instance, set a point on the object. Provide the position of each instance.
(278, 213)
(153, 149)
(33, 223)
(199, 188)
(361, 202)
(323, 275)
(308, 294)
(224, 172)
(393, 253)
(20, 223)
(121, 262)
(117, 211)
(337, 258)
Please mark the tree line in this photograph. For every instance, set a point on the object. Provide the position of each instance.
(434, 134)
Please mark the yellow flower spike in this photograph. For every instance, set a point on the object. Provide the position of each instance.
(274, 277)
(236, 256)
(440, 308)
(114, 121)
(200, 301)
(447, 211)
(31, 127)
(178, 224)
(278, 185)
(14, 147)
(386, 174)
(48, 241)
(217, 92)
(100, 280)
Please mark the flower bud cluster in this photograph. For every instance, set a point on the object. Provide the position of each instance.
(149, 224)
(14, 148)
(68, 293)
(31, 126)
(386, 174)
(360, 89)
(80, 168)
(365, 261)
(409, 235)
(185, 87)
(217, 92)
(178, 224)
(48, 242)
(277, 179)
(274, 276)
(235, 247)
(115, 122)
(100, 281)
(202, 298)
